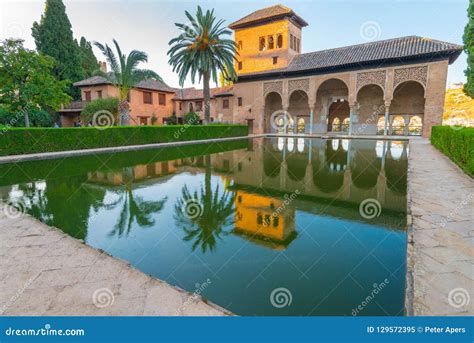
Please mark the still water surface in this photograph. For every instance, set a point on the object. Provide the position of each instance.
(262, 227)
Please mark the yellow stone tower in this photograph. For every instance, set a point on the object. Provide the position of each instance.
(267, 39)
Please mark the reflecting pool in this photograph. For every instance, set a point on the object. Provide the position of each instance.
(274, 226)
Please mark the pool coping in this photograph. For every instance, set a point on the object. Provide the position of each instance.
(83, 152)
(439, 251)
(41, 258)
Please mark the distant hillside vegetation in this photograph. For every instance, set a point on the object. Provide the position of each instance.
(458, 108)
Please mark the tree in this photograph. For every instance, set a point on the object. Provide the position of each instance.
(26, 81)
(202, 50)
(468, 39)
(100, 105)
(53, 37)
(125, 75)
(89, 62)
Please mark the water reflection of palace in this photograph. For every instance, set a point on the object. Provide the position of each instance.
(264, 220)
(346, 170)
(325, 173)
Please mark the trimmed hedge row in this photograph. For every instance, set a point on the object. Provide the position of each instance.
(457, 144)
(15, 141)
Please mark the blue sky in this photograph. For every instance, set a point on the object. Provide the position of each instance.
(148, 25)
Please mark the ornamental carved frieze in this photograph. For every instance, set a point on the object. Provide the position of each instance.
(371, 78)
(269, 87)
(298, 85)
(419, 74)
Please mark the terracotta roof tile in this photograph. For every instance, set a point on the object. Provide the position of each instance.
(272, 12)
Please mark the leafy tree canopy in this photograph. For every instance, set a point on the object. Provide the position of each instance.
(27, 82)
(95, 106)
(468, 39)
(53, 37)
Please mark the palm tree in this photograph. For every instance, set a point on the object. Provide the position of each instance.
(125, 75)
(202, 49)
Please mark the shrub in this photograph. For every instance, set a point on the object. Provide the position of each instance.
(456, 143)
(105, 104)
(171, 120)
(34, 140)
(192, 118)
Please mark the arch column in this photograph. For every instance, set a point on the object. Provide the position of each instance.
(311, 118)
(387, 111)
(352, 117)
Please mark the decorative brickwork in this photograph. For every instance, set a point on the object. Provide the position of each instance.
(301, 84)
(371, 78)
(419, 74)
(276, 86)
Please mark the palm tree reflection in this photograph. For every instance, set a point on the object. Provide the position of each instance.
(207, 226)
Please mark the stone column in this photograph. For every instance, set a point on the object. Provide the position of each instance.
(387, 111)
(407, 123)
(351, 118)
(285, 118)
(311, 118)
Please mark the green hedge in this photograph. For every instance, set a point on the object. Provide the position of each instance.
(457, 144)
(14, 141)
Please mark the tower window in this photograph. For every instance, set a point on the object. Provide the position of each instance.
(240, 65)
(239, 101)
(275, 59)
(271, 43)
(291, 42)
(225, 103)
(298, 44)
(240, 45)
(279, 41)
(261, 43)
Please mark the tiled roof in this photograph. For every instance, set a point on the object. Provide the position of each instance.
(268, 13)
(384, 51)
(197, 94)
(150, 84)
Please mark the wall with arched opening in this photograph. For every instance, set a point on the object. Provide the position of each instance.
(273, 103)
(299, 109)
(338, 110)
(370, 106)
(408, 101)
(328, 92)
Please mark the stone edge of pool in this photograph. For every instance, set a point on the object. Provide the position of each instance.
(45, 272)
(83, 152)
(440, 257)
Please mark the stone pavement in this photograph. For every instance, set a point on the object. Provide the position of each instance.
(440, 252)
(46, 272)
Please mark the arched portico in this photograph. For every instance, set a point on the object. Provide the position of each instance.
(408, 102)
(273, 103)
(338, 113)
(370, 107)
(299, 112)
(330, 91)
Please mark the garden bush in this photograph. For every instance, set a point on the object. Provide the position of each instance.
(105, 104)
(34, 140)
(457, 143)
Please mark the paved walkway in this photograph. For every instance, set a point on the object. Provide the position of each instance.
(46, 272)
(440, 264)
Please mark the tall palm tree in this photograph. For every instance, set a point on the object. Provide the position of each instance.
(125, 74)
(202, 50)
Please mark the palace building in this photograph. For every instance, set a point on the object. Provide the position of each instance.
(391, 87)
